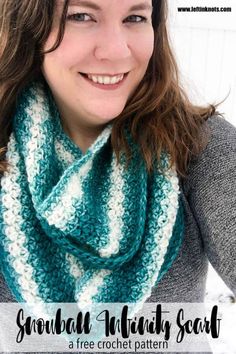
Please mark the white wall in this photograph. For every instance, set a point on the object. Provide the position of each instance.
(205, 47)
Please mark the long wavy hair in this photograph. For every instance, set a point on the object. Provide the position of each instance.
(159, 113)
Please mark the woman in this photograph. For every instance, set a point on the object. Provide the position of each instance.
(114, 188)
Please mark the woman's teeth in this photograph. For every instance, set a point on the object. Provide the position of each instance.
(106, 80)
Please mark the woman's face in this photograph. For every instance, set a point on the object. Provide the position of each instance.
(103, 40)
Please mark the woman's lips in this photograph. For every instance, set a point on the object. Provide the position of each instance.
(105, 86)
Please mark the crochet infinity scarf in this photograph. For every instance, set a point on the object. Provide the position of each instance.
(80, 227)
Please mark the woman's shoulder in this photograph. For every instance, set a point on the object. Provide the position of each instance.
(220, 148)
(217, 159)
(221, 130)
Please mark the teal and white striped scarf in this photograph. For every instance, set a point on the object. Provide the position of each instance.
(80, 227)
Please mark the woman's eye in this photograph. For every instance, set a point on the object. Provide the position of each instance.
(136, 18)
(79, 17)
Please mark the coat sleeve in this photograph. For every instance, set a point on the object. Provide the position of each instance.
(212, 198)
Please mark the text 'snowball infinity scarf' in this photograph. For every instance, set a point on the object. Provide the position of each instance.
(80, 227)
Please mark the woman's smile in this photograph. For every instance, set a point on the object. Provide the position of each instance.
(105, 82)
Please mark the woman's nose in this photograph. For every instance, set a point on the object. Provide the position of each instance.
(112, 44)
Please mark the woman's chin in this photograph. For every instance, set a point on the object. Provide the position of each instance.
(105, 117)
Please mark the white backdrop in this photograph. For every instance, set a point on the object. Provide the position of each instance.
(205, 47)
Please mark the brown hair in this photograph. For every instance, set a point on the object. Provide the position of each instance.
(159, 114)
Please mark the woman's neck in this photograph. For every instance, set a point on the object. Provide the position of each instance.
(82, 136)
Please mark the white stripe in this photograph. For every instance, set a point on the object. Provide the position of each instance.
(37, 113)
(64, 155)
(75, 266)
(13, 221)
(85, 298)
(115, 210)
